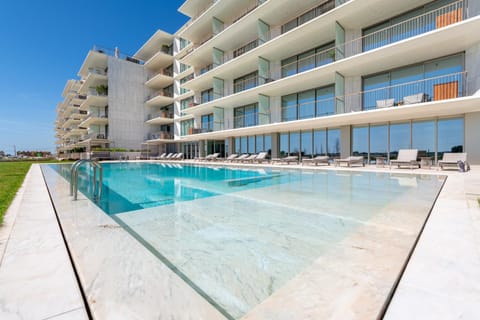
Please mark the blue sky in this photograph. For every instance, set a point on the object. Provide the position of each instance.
(43, 44)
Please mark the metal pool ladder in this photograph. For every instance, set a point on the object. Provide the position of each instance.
(97, 189)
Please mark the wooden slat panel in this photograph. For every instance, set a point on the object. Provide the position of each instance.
(449, 18)
(444, 91)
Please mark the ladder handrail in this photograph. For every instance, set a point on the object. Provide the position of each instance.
(97, 190)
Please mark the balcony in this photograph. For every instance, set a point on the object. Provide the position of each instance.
(161, 59)
(95, 118)
(161, 79)
(86, 138)
(95, 97)
(160, 98)
(249, 120)
(96, 59)
(249, 83)
(160, 136)
(159, 118)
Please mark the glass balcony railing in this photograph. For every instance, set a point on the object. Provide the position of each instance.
(161, 114)
(249, 120)
(163, 93)
(159, 135)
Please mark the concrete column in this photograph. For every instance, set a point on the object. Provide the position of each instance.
(275, 146)
(345, 143)
(472, 132)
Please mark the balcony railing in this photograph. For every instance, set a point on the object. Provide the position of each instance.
(437, 88)
(164, 72)
(310, 109)
(93, 136)
(159, 135)
(432, 89)
(163, 93)
(98, 71)
(309, 62)
(249, 120)
(94, 92)
(249, 83)
(161, 114)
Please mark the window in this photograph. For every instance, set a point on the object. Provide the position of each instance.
(307, 143)
(423, 138)
(308, 104)
(207, 95)
(308, 60)
(245, 82)
(245, 116)
(185, 103)
(207, 123)
(360, 141)
(320, 142)
(399, 138)
(186, 127)
(450, 136)
(433, 80)
(333, 143)
(413, 23)
(378, 141)
(309, 15)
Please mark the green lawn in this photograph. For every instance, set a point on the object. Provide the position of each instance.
(11, 178)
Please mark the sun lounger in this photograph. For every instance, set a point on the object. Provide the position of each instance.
(286, 160)
(387, 103)
(317, 160)
(406, 157)
(179, 156)
(231, 157)
(450, 160)
(250, 158)
(415, 98)
(157, 157)
(261, 157)
(241, 158)
(212, 157)
(350, 161)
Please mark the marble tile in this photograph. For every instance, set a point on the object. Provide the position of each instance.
(77, 314)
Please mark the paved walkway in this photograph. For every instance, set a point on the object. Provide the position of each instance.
(36, 276)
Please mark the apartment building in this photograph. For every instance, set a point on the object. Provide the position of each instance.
(104, 108)
(336, 77)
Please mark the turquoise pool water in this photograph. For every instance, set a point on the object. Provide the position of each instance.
(135, 186)
(236, 236)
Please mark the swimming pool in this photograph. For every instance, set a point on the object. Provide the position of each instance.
(239, 235)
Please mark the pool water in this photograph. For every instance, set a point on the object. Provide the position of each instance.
(236, 236)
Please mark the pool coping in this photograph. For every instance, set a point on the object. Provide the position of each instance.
(452, 197)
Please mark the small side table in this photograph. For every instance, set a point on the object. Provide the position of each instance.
(380, 162)
(426, 162)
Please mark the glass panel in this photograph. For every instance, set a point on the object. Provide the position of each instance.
(251, 144)
(423, 138)
(239, 117)
(376, 36)
(325, 101)
(333, 143)
(450, 136)
(238, 149)
(405, 82)
(399, 138)
(320, 142)
(438, 70)
(289, 66)
(243, 144)
(294, 143)
(378, 141)
(375, 89)
(268, 144)
(306, 61)
(307, 144)
(306, 104)
(251, 115)
(325, 54)
(292, 24)
(360, 141)
(289, 107)
(283, 144)
(259, 144)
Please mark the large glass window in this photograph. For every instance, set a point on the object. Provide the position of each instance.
(251, 144)
(399, 138)
(243, 144)
(185, 103)
(320, 142)
(309, 15)
(207, 95)
(433, 80)
(308, 104)
(307, 144)
(267, 144)
(186, 127)
(333, 143)
(246, 116)
(207, 122)
(308, 60)
(238, 148)
(423, 138)
(431, 16)
(283, 144)
(360, 141)
(378, 141)
(259, 144)
(245, 82)
(450, 136)
(294, 147)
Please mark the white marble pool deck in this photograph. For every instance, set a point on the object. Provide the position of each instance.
(37, 281)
